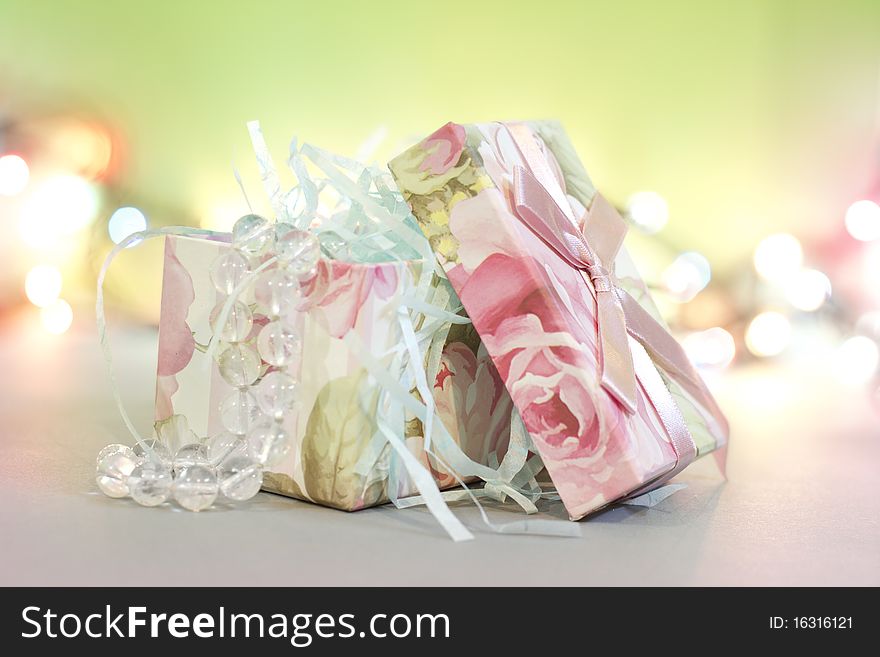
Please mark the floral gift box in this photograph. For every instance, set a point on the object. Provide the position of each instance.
(535, 254)
(338, 457)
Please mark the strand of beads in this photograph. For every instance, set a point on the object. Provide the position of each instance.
(259, 369)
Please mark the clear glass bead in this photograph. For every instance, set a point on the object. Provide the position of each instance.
(111, 449)
(239, 365)
(277, 291)
(228, 270)
(190, 454)
(224, 445)
(149, 484)
(299, 252)
(282, 228)
(195, 488)
(238, 325)
(253, 234)
(239, 412)
(334, 245)
(240, 477)
(268, 442)
(276, 394)
(157, 452)
(278, 344)
(113, 468)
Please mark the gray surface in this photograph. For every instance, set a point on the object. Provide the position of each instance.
(801, 505)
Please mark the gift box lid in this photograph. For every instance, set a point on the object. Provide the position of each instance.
(535, 254)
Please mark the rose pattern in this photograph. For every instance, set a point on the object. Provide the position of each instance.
(339, 290)
(176, 342)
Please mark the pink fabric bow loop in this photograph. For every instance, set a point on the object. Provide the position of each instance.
(540, 212)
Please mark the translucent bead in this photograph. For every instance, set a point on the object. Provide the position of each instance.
(282, 228)
(276, 394)
(224, 445)
(113, 468)
(228, 270)
(240, 477)
(196, 487)
(238, 325)
(111, 449)
(268, 442)
(189, 455)
(278, 344)
(157, 452)
(239, 365)
(239, 412)
(150, 483)
(277, 291)
(253, 234)
(299, 251)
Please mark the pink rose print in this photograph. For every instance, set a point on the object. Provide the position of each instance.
(176, 343)
(443, 149)
(471, 401)
(340, 289)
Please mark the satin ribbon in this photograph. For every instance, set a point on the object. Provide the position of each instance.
(631, 342)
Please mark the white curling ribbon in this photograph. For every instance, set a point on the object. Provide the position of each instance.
(268, 172)
(654, 497)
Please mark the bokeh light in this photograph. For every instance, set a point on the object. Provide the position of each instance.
(58, 207)
(869, 324)
(808, 289)
(80, 146)
(57, 317)
(124, 222)
(42, 285)
(688, 274)
(768, 334)
(779, 256)
(648, 210)
(713, 347)
(857, 360)
(14, 175)
(863, 220)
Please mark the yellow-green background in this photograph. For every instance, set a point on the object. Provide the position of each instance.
(748, 116)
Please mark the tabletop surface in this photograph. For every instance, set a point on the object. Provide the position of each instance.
(800, 506)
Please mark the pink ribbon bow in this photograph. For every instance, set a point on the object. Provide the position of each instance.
(624, 363)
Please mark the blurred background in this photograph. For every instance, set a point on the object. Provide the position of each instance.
(741, 139)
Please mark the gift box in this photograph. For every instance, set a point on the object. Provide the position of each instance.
(348, 313)
(612, 404)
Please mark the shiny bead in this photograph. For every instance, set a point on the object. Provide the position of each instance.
(268, 442)
(190, 454)
(282, 228)
(277, 291)
(239, 322)
(276, 394)
(157, 452)
(278, 344)
(240, 477)
(113, 468)
(253, 234)
(239, 365)
(239, 411)
(111, 449)
(149, 484)
(228, 270)
(224, 445)
(196, 487)
(299, 252)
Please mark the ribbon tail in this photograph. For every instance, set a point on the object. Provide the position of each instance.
(670, 356)
(614, 350)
